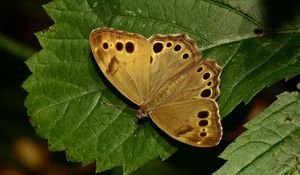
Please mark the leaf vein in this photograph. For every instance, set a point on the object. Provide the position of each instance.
(234, 10)
(168, 23)
(67, 100)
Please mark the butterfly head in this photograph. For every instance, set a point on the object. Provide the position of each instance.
(140, 114)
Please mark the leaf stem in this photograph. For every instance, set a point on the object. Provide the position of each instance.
(15, 47)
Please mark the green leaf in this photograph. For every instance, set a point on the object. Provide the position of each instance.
(271, 143)
(72, 105)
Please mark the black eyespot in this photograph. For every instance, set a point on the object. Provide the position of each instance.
(206, 93)
(185, 56)
(105, 45)
(158, 47)
(203, 123)
(203, 114)
(129, 47)
(209, 83)
(169, 44)
(119, 46)
(177, 47)
(203, 134)
(206, 76)
(199, 69)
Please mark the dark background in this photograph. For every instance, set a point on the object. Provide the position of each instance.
(23, 152)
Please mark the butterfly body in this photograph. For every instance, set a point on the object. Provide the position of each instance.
(166, 76)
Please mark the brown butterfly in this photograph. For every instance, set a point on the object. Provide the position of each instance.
(166, 76)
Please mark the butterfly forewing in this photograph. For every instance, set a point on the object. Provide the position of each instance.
(172, 55)
(124, 59)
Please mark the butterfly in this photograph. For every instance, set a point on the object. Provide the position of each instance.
(166, 76)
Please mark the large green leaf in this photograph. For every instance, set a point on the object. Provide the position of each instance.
(71, 105)
(271, 143)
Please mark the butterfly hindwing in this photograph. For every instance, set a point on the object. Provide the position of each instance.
(195, 122)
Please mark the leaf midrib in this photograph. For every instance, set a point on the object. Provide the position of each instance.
(68, 100)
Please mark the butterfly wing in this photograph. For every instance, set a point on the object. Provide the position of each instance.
(195, 122)
(171, 55)
(124, 59)
(189, 88)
